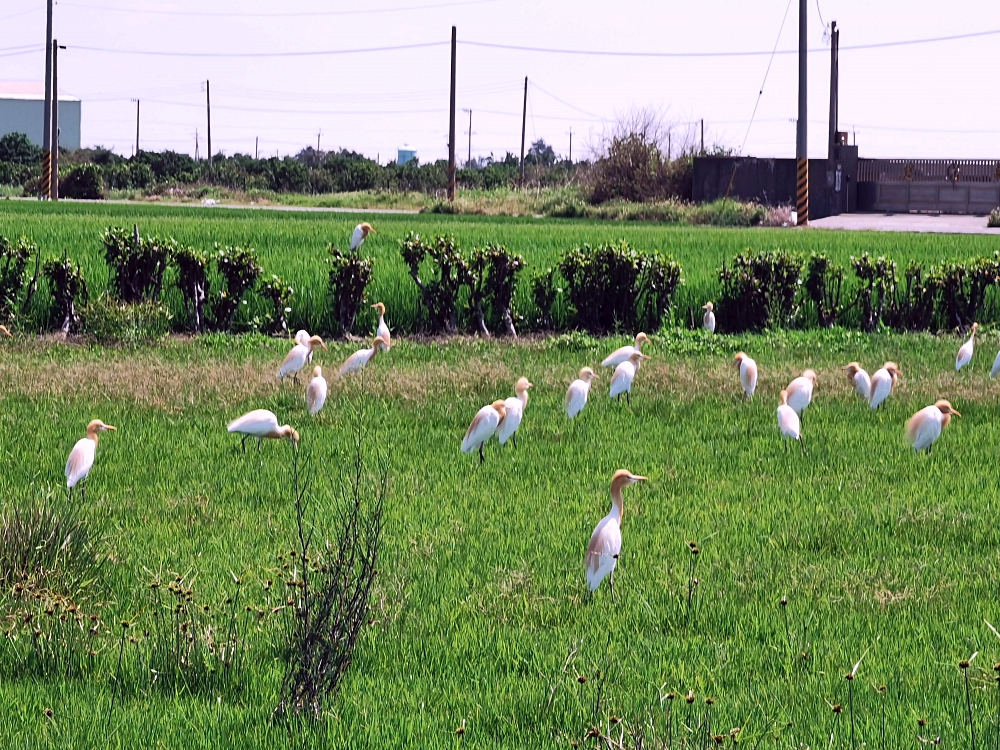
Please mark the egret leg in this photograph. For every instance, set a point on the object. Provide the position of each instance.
(785, 441)
(611, 585)
(618, 398)
(513, 439)
(243, 443)
(70, 494)
(83, 491)
(259, 442)
(482, 458)
(628, 397)
(802, 445)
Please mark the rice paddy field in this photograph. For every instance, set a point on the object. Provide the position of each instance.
(858, 557)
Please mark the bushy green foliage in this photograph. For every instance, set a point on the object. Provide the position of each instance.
(192, 281)
(14, 258)
(759, 291)
(16, 148)
(239, 270)
(279, 294)
(492, 273)
(349, 276)
(68, 289)
(112, 322)
(439, 290)
(824, 283)
(82, 182)
(136, 263)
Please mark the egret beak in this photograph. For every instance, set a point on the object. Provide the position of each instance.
(643, 356)
(955, 413)
(110, 427)
(639, 479)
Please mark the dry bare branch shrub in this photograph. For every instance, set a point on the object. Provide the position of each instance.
(330, 584)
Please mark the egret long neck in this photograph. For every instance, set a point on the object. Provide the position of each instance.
(617, 504)
(523, 395)
(92, 434)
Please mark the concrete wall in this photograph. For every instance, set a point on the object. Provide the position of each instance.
(26, 115)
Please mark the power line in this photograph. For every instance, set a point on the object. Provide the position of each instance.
(561, 101)
(310, 53)
(303, 14)
(766, 72)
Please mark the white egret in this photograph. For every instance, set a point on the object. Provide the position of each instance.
(299, 357)
(316, 392)
(621, 381)
(606, 542)
(965, 351)
(800, 391)
(484, 424)
(788, 423)
(579, 389)
(748, 373)
(883, 382)
(996, 366)
(262, 424)
(81, 458)
(362, 357)
(383, 330)
(361, 232)
(515, 411)
(924, 427)
(859, 379)
(302, 337)
(622, 354)
(708, 320)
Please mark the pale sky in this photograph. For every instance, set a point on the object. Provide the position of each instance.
(925, 100)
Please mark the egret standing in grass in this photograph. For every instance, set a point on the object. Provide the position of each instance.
(302, 337)
(5, 332)
(262, 424)
(383, 330)
(883, 382)
(788, 423)
(621, 381)
(748, 374)
(579, 389)
(622, 354)
(925, 427)
(965, 351)
(708, 319)
(515, 412)
(316, 392)
(859, 379)
(361, 232)
(606, 541)
(484, 424)
(299, 357)
(800, 391)
(996, 366)
(81, 458)
(362, 357)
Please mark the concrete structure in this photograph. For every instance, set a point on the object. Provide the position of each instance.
(21, 111)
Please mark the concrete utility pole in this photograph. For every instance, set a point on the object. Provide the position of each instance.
(256, 145)
(834, 86)
(571, 145)
(136, 127)
(801, 129)
(208, 106)
(451, 122)
(47, 113)
(317, 141)
(702, 136)
(54, 182)
(468, 163)
(524, 125)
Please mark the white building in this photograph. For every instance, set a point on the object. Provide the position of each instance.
(22, 104)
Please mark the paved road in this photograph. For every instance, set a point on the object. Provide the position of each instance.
(254, 207)
(907, 223)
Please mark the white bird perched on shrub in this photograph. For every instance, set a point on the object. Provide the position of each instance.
(316, 392)
(383, 330)
(515, 407)
(966, 350)
(361, 232)
(924, 427)
(579, 389)
(800, 391)
(5, 332)
(262, 424)
(606, 542)
(621, 381)
(299, 357)
(81, 458)
(484, 424)
(362, 357)
(708, 319)
(622, 354)
(859, 379)
(883, 382)
(788, 423)
(748, 373)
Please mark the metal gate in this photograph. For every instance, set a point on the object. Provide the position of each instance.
(948, 186)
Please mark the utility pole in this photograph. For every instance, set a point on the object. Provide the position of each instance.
(702, 136)
(669, 144)
(468, 163)
(834, 88)
(44, 193)
(208, 106)
(801, 147)
(524, 124)
(136, 127)
(256, 144)
(196, 144)
(451, 115)
(317, 141)
(571, 145)
(54, 184)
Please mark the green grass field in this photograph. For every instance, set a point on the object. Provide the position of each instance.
(480, 614)
(293, 245)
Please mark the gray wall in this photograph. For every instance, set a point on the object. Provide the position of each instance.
(26, 115)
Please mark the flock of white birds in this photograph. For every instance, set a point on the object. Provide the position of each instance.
(503, 417)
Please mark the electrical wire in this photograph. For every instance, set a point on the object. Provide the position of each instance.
(766, 72)
(304, 14)
(308, 53)
(563, 102)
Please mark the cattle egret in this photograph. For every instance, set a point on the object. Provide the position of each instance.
(579, 389)
(788, 423)
(748, 373)
(606, 541)
(261, 424)
(383, 329)
(882, 383)
(5, 332)
(925, 427)
(621, 381)
(996, 366)
(316, 392)
(965, 352)
(302, 337)
(81, 458)
(484, 424)
(515, 411)
(621, 355)
(298, 357)
(800, 391)
(362, 357)
(708, 320)
(361, 232)
(859, 379)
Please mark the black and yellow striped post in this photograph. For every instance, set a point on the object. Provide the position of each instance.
(43, 190)
(801, 192)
